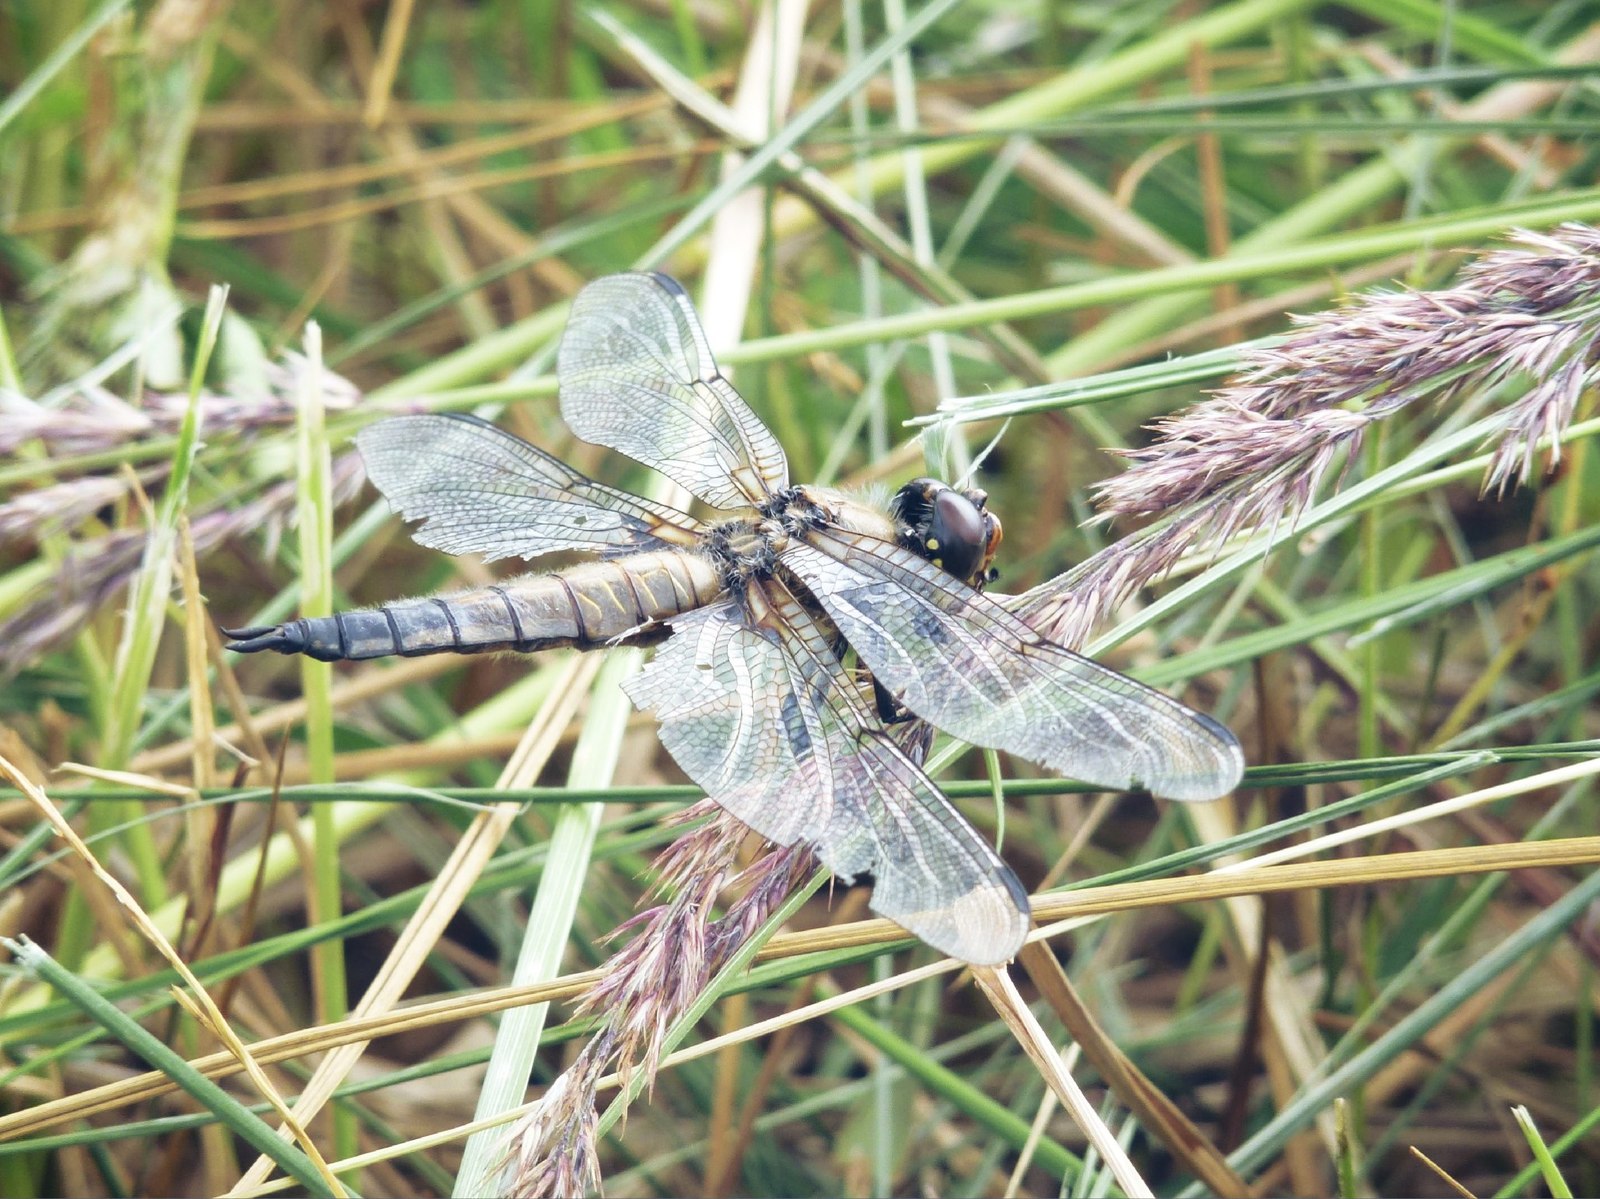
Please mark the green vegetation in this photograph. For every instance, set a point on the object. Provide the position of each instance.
(1371, 971)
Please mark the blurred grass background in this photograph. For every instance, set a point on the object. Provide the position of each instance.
(1031, 193)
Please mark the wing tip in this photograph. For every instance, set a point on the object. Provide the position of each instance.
(596, 288)
(666, 283)
(1217, 729)
(987, 926)
(1217, 778)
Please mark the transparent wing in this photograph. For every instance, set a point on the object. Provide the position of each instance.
(763, 716)
(637, 375)
(478, 489)
(957, 658)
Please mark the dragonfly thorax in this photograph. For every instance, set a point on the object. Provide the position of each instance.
(744, 550)
(795, 511)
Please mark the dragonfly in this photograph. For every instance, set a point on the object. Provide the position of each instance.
(807, 642)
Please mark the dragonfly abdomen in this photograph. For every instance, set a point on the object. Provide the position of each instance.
(588, 606)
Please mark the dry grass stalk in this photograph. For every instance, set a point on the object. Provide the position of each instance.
(197, 1000)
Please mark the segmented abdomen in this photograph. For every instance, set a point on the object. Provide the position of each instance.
(588, 606)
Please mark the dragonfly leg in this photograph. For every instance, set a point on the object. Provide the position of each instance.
(890, 710)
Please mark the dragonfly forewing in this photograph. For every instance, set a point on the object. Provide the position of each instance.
(637, 375)
(957, 658)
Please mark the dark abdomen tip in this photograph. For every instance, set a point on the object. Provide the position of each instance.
(280, 638)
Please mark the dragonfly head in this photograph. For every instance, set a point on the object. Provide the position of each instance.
(952, 529)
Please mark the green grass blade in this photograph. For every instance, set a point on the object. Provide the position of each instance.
(230, 1111)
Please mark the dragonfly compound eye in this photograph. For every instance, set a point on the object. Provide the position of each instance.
(962, 534)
